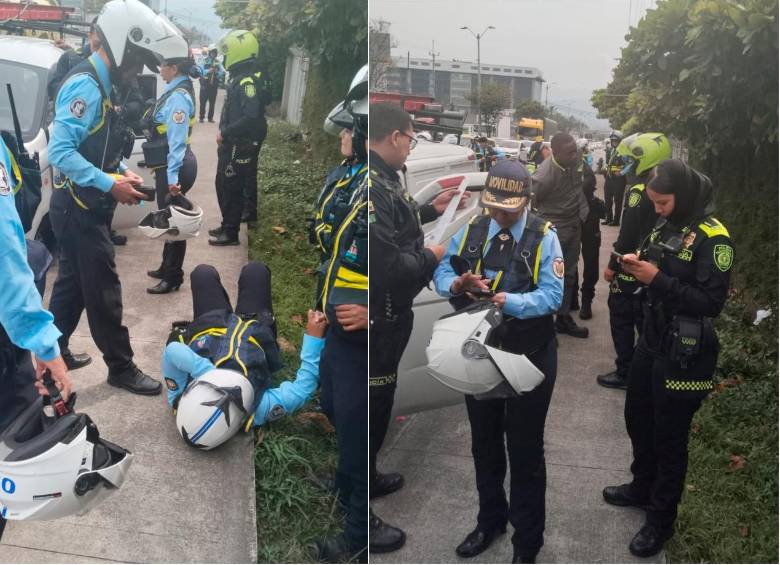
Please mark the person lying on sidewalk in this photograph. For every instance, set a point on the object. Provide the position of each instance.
(218, 368)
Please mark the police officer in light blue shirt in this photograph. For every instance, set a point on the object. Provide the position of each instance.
(169, 125)
(24, 323)
(513, 258)
(87, 146)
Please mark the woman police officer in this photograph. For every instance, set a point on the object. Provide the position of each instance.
(685, 263)
(169, 127)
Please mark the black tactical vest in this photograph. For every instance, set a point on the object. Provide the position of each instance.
(154, 128)
(520, 275)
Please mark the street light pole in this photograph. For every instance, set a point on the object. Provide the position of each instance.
(479, 36)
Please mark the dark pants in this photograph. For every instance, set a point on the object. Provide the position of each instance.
(87, 279)
(254, 290)
(174, 251)
(569, 236)
(521, 420)
(614, 188)
(387, 348)
(343, 368)
(658, 425)
(591, 243)
(625, 322)
(208, 94)
(236, 177)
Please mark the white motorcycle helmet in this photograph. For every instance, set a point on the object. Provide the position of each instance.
(214, 407)
(337, 120)
(460, 358)
(129, 29)
(51, 468)
(178, 221)
(356, 100)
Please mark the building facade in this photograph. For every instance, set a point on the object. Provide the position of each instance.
(452, 82)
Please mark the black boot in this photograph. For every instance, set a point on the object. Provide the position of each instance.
(624, 495)
(612, 380)
(156, 274)
(382, 537)
(216, 231)
(163, 287)
(385, 483)
(567, 325)
(478, 541)
(74, 361)
(524, 556)
(136, 381)
(649, 540)
(223, 239)
(337, 549)
(585, 310)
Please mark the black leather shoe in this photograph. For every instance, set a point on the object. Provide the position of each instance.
(76, 361)
(216, 231)
(163, 287)
(117, 239)
(586, 313)
(336, 549)
(567, 325)
(612, 380)
(224, 239)
(648, 541)
(478, 541)
(156, 274)
(623, 495)
(136, 381)
(523, 556)
(382, 537)
(385, 483)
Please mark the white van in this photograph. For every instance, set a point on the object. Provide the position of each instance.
(26, 64)
(429, 161)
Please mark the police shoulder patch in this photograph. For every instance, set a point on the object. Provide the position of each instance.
(5, 181)
(558, 267)
(78, 107)
(171, 384)
(249, 90)
(178, 117)
(633, 199)
(724, 256)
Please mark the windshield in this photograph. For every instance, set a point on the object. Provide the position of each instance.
(508, 143)
(29, 87)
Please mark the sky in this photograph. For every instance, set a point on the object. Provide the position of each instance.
(198, 13)
(575, 43)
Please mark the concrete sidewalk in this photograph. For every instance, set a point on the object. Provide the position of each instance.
(178, 504)
(586, 448)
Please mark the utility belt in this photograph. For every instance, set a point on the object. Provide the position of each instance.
(88, 199)
(690, 346)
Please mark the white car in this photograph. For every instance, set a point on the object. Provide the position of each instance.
(26, 63)
(509, 147)
(429, 161)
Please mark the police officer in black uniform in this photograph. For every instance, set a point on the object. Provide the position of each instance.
(639, 153)
(614, 181)
(87, 147)
(242, 129)
(685, 266)
(401, 266)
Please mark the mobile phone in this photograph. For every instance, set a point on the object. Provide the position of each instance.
(616, 255)
(149, 192)
(482, 293)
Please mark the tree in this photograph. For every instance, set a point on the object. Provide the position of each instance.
(530, 109)
(495, 98)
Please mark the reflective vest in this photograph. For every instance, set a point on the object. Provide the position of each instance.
(520, 275)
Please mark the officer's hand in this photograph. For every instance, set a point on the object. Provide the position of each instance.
(174, 189)
(643, 271)
(135, 178)
(499, 299)
(468, 281)
(59, 372)
(438, 251)
(219, 138)
(609, 274)
(352, 317)
(124, 193)
(444, 198)
(316, 324)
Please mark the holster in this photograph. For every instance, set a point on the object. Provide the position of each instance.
(692, 347)
(155, 152)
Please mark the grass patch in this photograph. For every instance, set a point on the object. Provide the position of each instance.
(729, 511)
(292, 511)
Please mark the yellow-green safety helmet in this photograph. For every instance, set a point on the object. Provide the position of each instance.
(238, 46)
(643, 151)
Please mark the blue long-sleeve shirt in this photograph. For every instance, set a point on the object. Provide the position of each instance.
(77, 112)
(209, 62)
(175, 113)
(548, 295)
(180, 362)
(27, 323)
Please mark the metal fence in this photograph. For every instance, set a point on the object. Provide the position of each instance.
(295, 74)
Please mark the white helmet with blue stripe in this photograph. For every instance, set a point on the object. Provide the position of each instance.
(214, 407)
